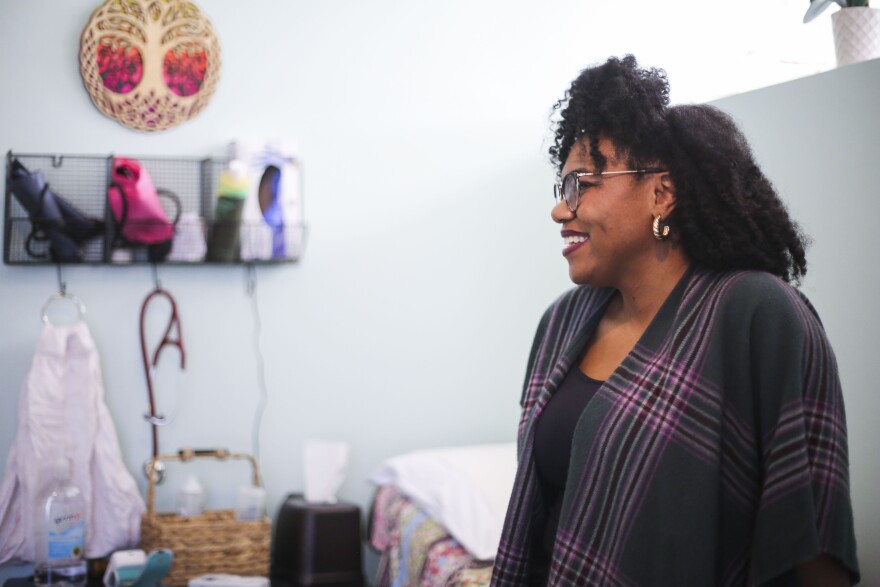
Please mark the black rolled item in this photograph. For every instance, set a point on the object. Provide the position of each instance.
(52, 217)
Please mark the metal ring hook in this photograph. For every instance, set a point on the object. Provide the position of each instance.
(57, 160)
(62, 294)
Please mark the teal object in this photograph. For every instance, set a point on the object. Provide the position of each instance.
(127, 576)
(157, 567)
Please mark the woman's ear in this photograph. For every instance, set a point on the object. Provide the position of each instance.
(664, 195)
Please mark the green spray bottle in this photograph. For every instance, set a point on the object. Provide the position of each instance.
(232, 190)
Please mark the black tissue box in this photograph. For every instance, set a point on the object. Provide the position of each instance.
(317, 544)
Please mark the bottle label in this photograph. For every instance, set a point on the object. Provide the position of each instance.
(68, 541)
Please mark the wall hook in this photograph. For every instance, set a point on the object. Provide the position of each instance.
(250, 278)
(156, 281)
(62, 285)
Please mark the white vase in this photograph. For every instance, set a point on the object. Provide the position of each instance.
(856, 34)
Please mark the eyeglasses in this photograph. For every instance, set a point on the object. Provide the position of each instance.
(570, 188)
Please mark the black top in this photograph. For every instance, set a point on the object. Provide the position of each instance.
(554, 431)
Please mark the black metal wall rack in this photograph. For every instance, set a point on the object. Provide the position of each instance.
(83, 180)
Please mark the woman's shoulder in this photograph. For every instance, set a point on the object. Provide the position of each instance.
(757, 286)
(762, 295)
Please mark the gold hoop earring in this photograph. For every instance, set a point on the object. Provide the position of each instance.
(660, 235)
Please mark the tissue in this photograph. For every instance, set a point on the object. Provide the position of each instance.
(325, 464)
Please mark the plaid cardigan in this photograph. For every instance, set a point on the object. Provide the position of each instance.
(716, 453)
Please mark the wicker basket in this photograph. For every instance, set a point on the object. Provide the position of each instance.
(214, 542)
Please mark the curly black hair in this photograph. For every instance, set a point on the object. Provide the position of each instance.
(727, 213)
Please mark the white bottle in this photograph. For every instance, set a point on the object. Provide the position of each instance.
(191, 500)
(60, 523)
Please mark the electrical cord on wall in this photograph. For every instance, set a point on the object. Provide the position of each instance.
(251, 287)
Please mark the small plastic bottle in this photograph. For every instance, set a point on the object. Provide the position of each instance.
(191, 499)
(60, 524)
(250, 503)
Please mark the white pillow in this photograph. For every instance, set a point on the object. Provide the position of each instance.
(465, 488)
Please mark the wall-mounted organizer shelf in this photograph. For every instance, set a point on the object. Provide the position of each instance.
(77, 220)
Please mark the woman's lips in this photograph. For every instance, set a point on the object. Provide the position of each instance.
(573, 241)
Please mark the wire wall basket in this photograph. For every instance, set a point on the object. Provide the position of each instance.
(59, 210)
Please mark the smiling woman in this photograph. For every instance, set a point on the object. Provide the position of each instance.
(682, 419)
(603, 232)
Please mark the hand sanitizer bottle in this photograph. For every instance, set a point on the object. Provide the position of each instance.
(60, 523)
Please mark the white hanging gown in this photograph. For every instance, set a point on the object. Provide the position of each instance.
(61, 412)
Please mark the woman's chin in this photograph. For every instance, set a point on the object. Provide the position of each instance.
(586, 276)
(581, 277)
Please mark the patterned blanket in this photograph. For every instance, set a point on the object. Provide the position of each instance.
(415, 550)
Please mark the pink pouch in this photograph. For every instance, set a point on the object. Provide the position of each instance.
(135, 203)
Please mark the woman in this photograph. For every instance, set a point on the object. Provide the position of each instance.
(682, 419)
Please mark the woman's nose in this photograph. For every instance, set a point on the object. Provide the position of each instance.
(560, 212)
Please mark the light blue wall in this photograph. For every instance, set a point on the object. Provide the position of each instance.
(431, 255)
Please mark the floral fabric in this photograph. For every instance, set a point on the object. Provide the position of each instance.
(415, 550)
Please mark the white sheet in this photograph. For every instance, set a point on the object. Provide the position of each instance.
(465, 488)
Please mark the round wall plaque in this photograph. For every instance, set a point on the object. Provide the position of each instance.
(149, 64)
